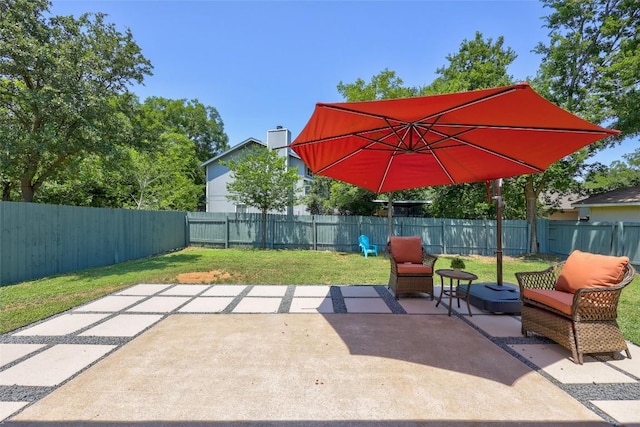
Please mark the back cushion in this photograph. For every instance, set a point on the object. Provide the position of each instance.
(407, 249)
(586, 270)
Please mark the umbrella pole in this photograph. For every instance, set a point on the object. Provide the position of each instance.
(498, 198)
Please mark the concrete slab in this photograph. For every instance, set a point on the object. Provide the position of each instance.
(123, 325)
(62, 325)
(629, 365)
(258, 305)
(421, 306)
(312, 291)
(206, 305)
(359, 291)
(366, 305)
(557, 362)
(626, 412)
(143, 289)
(309, 368)
(8, 408)
(224, 291)
(111, 303)
(159, 305)
(54, 365)
(311, 305)
(268, 291)
(190, 290)
(497, 325)
(12, 352)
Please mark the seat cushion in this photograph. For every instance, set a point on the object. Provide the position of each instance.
(406, 249)
(408, 269)
(561, 301)
(586, 270)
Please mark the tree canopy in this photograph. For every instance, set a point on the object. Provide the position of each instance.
(63, 91)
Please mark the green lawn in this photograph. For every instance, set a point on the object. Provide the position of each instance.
(27, 302)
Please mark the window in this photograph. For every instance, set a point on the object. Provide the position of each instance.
(308, 172)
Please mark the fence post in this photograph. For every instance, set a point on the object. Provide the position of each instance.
(314, 233)
(226, 231)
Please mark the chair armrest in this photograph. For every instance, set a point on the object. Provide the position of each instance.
(597, 303)
(429, 259)
(545, 279)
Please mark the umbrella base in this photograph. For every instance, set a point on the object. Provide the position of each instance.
(496, 298)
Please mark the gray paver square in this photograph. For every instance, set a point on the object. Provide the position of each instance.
(629, 365)
(111, 303)
(268, 291)
(311, 305)
(143, 289)
(224, 291)
(54, 365)
(62, 325)
(187, 290)
(123, 325)
(8, 408)
(11, 352)
(421, 306)
(556, 361)
(366, 305)
(207, 305)
(359, 291)
(159, 305)
(626, 412)
(312, 291)
(258, 305)
(496, 325)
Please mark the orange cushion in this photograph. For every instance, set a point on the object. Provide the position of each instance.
(586, 270)
(414, 270)
(561, 301)
(407, 249)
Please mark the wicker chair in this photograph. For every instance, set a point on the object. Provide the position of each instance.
(411, 267)
(582, 322)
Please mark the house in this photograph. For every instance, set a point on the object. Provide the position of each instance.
(217, 175)
(559, 207)
(622, 204)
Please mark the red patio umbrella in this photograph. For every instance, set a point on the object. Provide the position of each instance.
(481, 135)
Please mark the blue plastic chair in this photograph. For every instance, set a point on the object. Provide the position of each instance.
(367, 248)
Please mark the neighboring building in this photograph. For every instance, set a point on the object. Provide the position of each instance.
(559, 207)
(217, 176)
(622, 204)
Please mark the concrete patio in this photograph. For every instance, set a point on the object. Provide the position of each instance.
(196, 355)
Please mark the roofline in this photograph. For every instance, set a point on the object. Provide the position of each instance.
(605, 205)
(232, 149)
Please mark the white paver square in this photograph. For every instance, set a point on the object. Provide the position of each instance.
(366, 305)
(54, 365)
(190, 290)
(111, 303)
(258, 305)
(9, 408)
(143, 289)
(312, 291)
(629, 365)
(207, 305)
(11, 352)
(159, 305)
(421, 306)
(224, 291)
(359, 291)
(626, 412)
(311, 305)
(496, 325)
(123, 325)
(62, 325)
(556, 361)
(268, 291)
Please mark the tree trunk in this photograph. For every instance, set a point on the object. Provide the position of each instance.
(264, 230)
(6, 191)
(27, 189)
(531, 199)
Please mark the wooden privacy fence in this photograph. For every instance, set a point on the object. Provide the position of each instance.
(340, 233)
(38, 240)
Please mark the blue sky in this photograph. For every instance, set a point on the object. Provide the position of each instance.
(266, 63)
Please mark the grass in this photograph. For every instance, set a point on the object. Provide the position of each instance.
(26, 302)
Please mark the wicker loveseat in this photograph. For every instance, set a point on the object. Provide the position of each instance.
(574, 303)
(411, 267)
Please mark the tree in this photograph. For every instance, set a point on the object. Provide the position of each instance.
(261, 179)
(318, 197)
(63, 90)
(619, 174)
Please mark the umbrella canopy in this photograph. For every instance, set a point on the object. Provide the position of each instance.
(481, 135)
